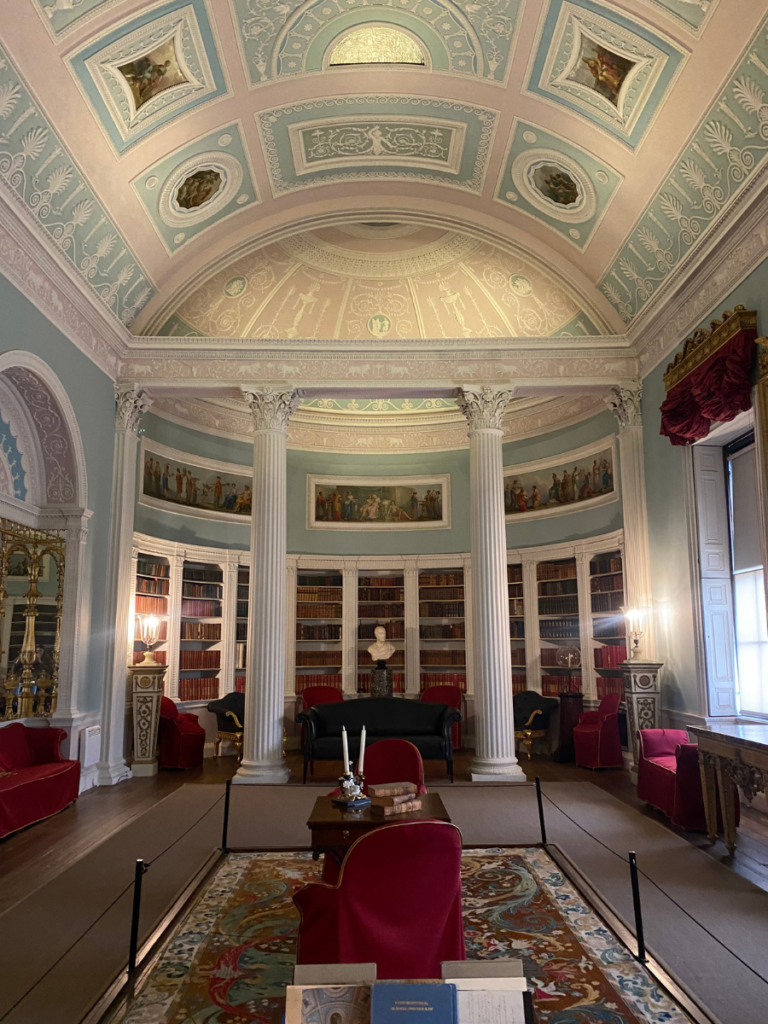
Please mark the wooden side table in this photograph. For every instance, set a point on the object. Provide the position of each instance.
(332, 827)
(571, 707)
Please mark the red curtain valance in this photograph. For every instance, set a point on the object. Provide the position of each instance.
(711, 379)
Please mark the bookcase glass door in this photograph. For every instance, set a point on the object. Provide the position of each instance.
(152, 596)
(202, 587)
(241, 626)
(517, 628)
(606, 585)
(381, 602)
(558, 614)
(319, 618)
(442, 629)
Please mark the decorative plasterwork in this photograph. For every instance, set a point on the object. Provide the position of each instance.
(197, 186)
(451, 142)
(61, 15)
(38, 170)
(465, 37)
(150, 70)
(131, 402)
(692, 14)
(548, 178)
(725, 152)
(484, 407)
(17, 449)
(611, 70)
(271, 408)
(625, 402)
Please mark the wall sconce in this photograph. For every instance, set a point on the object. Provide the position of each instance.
(636, 626)
(149, 634)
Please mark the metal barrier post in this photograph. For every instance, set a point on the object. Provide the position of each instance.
(638, 910)
(141, 869)
(541, 812)
(225, 828)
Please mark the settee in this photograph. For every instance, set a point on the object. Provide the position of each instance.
(35, 780)
(427, 726)
(230, 715)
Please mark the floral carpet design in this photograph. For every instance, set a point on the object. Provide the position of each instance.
(230, 959)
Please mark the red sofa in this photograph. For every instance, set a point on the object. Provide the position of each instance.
(182, 738)
(596, 738)
(669, 779)
(35, 780)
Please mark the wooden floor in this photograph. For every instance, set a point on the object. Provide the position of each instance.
(32, 857)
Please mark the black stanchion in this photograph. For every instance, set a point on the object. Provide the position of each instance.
(141, 870)
(638, 910)
(225, 827)
(541, 812)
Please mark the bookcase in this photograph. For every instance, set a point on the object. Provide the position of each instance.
(381, 602)
(319, 628)
(442, 629)
(152, 589)
(606, 588)
(558, 616)
(241, 626)
(517, 652)
(200, 635)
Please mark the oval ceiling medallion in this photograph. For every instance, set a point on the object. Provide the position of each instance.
(199, 188)
(555, 184)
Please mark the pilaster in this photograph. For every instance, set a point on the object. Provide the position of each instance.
(176, 562)
(228, 624)
(588, 674)
(349, 627)
(291, 574)
(531, 621)
(412, 644)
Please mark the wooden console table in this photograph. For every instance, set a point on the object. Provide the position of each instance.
(730, 754)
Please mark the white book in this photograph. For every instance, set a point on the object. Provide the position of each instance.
(490, 1006)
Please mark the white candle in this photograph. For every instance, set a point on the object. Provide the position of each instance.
(345, 749)
(362, 752)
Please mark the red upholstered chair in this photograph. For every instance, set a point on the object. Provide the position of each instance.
(450, 695)
(321, 695)
(182, 738)
(668, 777)
(397, 903)
(35, 780)
(596, 738)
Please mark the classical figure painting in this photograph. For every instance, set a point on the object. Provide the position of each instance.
(556, 184)
(154, 71)
(563, 484)
(601, 69)
(378, 503)
(198, 188)
(190, 485)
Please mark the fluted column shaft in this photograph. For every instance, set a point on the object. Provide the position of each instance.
(494, 720)
(263, 760)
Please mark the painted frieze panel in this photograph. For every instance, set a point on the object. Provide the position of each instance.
(378, 503)
(613, 71)
(150, 70)
(193, 486)
(692, 14)
(560, 484)
(551, 180)
(358, 138)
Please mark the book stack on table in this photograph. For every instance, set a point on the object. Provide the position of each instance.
(391, 798)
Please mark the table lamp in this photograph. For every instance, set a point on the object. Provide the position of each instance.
(149, 634)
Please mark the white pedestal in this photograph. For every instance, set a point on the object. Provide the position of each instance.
(642, 694)
(147, 689)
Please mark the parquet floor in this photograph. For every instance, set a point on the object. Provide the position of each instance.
(32, 857)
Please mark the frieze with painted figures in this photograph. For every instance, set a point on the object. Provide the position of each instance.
(191, 485)
(378, 503)
(561, 484)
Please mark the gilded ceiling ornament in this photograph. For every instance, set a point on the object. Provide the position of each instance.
(271, 409)
(624, 402)
(132, 402)
(484, 408)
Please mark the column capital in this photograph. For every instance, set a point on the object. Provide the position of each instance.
(624, 401)
(132, 402)
(271, 408)
(484, 407)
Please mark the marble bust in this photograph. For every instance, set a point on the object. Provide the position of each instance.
(381, 650)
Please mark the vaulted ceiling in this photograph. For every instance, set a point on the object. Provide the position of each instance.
(210, 168)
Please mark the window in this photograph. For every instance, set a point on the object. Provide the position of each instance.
(377, 44)
(751, 630)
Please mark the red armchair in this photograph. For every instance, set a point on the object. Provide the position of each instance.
(182, 738)
(321, 695)
(405, 920)
(668, 777)
(450, 695)
(596, 738)
(35, 780)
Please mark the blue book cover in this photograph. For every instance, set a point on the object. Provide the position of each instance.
(397, 1002)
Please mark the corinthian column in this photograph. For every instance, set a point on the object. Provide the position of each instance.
(264, 694)
(495, 758)
(132, 402)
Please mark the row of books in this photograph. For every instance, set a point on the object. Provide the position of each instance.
(517, 656)
(443, 679)
(380, 593)
(205, 688)
(559, 605)
(380, 581)
(319, 593)
(241, 631)
(201, 590)
(516, 629)
(208, 631)
(240, 684)
(382, 611)
(320, 581)
(443, 657)
(318, 611)
(153, 569)
(515, 589)
(199, 659)
(556, 571)
(552, 685)
(558, 587)
(442, 594)
(242, 592)
(610, 656)
(321, 658)
(150, 605)
(326, 632)
(203, 575)
(441, 579)
(603, 565)
(448, 631)
(559, 629)
(516, 606)
(606, 629)
(201, 609)
(443, 610)
(367, 630)
(160, 657)
(609, 684)
(242, 609)
(241, 651)
(317, 679)
(364, 658)
(364, 682)
(608, 602)
(147, 586)
(515, 573)
(601, 584)
(549, 656)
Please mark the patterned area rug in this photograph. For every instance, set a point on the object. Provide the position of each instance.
(230, 959)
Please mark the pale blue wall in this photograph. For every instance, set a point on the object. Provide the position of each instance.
(191, 529)
(22, 326)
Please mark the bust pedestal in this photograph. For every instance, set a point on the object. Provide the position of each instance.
(147, 689)
(641, 694)
(381, 680)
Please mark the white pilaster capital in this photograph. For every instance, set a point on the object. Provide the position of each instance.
(625, 403)
(484, 407)
(271, 408)
(132, 402)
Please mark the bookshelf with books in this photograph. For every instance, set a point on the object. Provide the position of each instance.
(319, 633)
(442, 628)
(241, 626)
(152, 596)
(517, 653)
(609, 643)
(381, 602)
(200, 633)
(557, 596)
